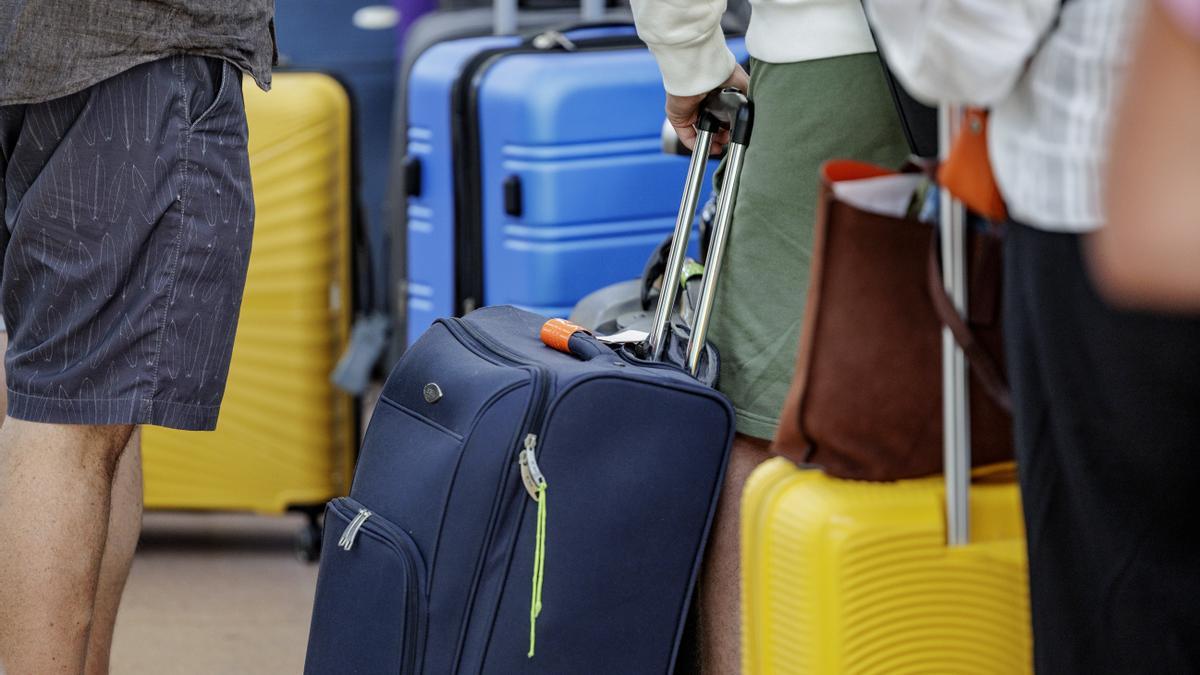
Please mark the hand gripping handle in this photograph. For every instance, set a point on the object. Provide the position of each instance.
(723, 109)
(728, 108)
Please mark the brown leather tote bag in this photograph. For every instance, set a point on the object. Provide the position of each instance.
(866, 401)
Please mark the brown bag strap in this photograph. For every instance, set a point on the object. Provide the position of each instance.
(990, 375)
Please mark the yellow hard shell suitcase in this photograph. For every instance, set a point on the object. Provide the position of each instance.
(285, 436)
(916, 576)
(850, 577)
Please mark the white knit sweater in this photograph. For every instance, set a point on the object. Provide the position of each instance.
(685, 36)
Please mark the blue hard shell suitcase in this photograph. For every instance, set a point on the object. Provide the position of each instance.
(425, 33)
(519, 509)
(535, 172)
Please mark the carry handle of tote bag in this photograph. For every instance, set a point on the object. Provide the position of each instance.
(504, 14)
(986, 369)
(724, 109)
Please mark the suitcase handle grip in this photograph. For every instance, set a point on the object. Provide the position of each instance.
(730, 109)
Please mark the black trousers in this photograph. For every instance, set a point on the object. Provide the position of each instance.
(1107, 413)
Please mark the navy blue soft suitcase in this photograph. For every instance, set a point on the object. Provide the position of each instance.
(535, 170)
(520, 509)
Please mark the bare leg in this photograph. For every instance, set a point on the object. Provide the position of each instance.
(719, 628)
(55, 490)
(124, 527)
(3, 382)
(3, 389)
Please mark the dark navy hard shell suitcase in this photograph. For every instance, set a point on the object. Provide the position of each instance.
(535, 170)
(519, 509)
(354, 41)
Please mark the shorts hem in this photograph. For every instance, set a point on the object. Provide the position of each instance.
(752, 424)
(102, 411)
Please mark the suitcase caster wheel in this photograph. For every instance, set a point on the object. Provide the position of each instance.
(307, 543)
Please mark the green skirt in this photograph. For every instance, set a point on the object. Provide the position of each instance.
(805, 113)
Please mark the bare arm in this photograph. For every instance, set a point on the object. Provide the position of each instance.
(1149, 253)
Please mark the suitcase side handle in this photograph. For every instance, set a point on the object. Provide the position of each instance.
(724, 109)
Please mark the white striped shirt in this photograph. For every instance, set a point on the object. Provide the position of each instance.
(1049, 138)
(1052, 99)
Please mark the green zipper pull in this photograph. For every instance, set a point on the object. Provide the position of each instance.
(535, 483)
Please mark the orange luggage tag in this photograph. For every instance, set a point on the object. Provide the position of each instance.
(967, 172)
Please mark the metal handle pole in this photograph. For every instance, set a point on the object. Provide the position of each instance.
(716, 255)
(504, 17)
(592, 10)
(956, 419)
(679, 244)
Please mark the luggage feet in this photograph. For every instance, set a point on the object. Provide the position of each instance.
(307, 543)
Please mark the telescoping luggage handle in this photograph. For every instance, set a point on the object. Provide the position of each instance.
(505, 14)
(731, 110)
(956, 413)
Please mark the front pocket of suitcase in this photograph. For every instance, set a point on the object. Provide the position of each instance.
(369, 613)
(405, 470)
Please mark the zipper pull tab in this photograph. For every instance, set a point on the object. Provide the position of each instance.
(351, 532)
(349, 527)
(553, 39)
(531, 475)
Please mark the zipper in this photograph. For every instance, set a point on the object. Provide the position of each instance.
(461, 328)
(526, 456)
(390, 536)
(466, 151)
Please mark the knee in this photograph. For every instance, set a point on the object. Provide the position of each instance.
(94, 446)
(104, 444)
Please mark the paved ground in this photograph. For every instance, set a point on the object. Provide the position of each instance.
(213, 594)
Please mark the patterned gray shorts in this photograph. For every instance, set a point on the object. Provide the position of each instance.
(128, 215)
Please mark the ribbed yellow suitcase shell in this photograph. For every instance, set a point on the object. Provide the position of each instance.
(849, 577)
(285, 436)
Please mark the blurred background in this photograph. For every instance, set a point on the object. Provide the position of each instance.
(413, 160)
